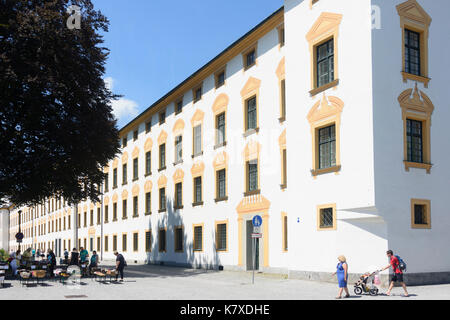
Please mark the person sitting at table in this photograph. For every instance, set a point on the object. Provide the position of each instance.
(74, 257)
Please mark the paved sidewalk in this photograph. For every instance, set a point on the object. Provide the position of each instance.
(144, 282)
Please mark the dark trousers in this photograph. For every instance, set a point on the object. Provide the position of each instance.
(119, 271)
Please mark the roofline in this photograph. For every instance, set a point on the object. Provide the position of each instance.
(173, 94)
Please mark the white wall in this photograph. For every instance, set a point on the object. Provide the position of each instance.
(424, 250)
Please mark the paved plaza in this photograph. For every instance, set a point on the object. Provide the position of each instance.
(159, 282)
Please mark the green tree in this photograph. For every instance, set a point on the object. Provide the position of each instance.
(57, 130)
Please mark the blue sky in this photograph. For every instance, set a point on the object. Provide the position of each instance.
(156, 44)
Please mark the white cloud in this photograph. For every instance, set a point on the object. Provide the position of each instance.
(124, 109)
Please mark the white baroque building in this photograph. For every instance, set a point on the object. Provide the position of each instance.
(327, 119)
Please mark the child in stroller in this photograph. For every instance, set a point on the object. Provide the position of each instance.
(366, 283)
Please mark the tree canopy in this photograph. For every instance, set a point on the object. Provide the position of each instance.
(57, 131)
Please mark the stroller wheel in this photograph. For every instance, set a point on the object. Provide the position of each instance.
(373, 292)
(358, 291)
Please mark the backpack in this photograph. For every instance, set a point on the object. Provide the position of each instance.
(401, 264)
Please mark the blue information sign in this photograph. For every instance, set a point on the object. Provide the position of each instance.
(257, 221)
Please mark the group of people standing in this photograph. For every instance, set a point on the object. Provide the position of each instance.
(342, 275)
(17, 259)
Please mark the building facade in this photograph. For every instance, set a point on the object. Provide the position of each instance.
(327, 120)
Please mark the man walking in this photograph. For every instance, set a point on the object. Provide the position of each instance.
(120, 265)
(398, 273)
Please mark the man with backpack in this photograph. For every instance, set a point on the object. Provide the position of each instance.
(398, 266)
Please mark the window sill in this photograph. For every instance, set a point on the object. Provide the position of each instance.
(135, 179)
(252, 193)
(178, 162)
(148, 213)
(409, 76)
(221, 199)
(283, 186)
(178, 112)
(196, 204)
(325, 171)
(178, 207)
(250, 132)
(220, 145)
(135, 216)
(115, 187)
(197, 155)
(124, 218)
(418, 165)
(250, 66)
(162, 210)
(421, 226)
(324, 87)
(114, 220)
(282, 119)
(162, 169)
(124, 184)
(148, 174)
(106, 221)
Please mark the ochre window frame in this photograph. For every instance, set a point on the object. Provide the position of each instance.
(250, 90)
(409, 19)
(244, 56)
(194, 90)
(162, 139)
(427, 204)
(420, 108)
(324, 29)
(165, 240)
(198, 170)
(216, 77)
(148, 248)
(283, 152)
(220, 163)
(197, 120)
(178, 177)
(203, 237)
(324, 113)
(177, 131)
(281, 37)
(216, 224)
(134, 233)
(175, 239)
(252, 153)
(220, 106)
(281, 75)
(326, 206)
(162, 183)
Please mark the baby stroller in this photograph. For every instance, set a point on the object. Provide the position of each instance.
(367, 284)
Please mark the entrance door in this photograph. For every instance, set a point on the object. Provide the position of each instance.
(250, 245)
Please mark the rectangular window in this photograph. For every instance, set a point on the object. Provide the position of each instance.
(420, 214)
(148, 203)
(285, 233)
(98, 216)
(162, 156)
(148, 241)
(197, 140)
(124, 243)
(284, 170)
(115, 211)
(178, 148)
(412, 52)
(85, 220)
(106, 244)
(124, 209)
(148, 163)
(325, 63)
(251, 122)
(414, 138)
(283, 99)
(179, 239)
(197, 190)
(221, 237)
(106, 182)
(179, 195)
(252, 178)
(135, 242)
(198, 238)
(220, 127)
(250, 58)
(162, 199)
(162, 240)
(124, 142)
(162, 117)
(115, 178)
(178, 106)
(124, 174)
(220, 79)
(135, 169)
(327, 147)
(221, 184)
(98, 243)
(106, 213)
(197, 94)
(148, 126)
(114, 243)
(326, 218)
(135, 135)
(135, 207)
